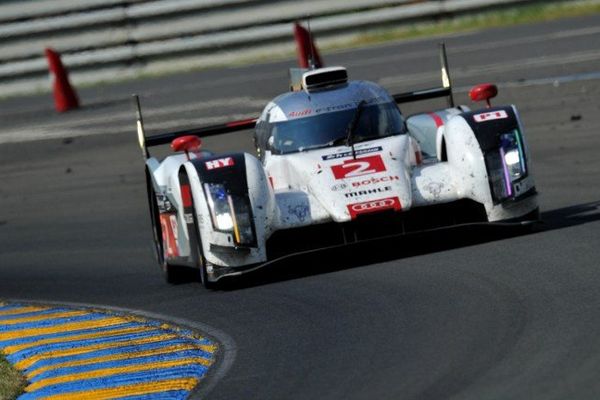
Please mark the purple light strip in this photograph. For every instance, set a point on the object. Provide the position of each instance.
(506, 176)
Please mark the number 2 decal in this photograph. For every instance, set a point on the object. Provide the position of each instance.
(361, 166)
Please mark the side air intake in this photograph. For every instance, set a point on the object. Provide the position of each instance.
(324, 78)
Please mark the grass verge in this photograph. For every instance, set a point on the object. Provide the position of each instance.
(12, 382)
(523, 14)
(497, 18)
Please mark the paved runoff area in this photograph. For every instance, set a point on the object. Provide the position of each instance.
(69, 353)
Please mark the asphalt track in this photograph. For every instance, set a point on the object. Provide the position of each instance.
(469, 314)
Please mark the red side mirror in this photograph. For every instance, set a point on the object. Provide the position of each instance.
(186, 143)
(484, 92)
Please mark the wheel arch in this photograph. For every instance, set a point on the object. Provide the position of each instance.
(470, 139)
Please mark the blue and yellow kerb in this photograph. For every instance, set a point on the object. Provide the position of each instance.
(68, 353)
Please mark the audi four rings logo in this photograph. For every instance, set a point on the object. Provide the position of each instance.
(339, 186)
(374, 205)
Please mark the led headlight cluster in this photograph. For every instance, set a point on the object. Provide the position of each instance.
(230, 213)
(507, 165)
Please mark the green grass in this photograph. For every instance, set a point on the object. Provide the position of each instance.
(524, 14)
(12, 382)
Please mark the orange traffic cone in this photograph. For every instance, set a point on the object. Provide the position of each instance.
(65, 97)
(308, 54)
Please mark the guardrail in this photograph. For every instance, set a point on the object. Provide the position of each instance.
(112, 39)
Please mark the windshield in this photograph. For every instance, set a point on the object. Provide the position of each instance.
(328, 129)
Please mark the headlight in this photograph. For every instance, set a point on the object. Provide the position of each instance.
(219, 206)
(230, 213)
(507, 165)
(512, 158)
(224, 221)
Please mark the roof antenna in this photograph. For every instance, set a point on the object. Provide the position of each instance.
(311, 57)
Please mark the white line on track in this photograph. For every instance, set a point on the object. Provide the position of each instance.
(455, 50)
(534, 62)
(176, 116)
(124, 121)
(43, 133)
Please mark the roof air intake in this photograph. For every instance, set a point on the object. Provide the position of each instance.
(324, 78)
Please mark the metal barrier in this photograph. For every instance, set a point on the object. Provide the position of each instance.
(115, 39)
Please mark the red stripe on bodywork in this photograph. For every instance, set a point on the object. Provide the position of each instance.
(438, 120)
(186, 195)
(418, 157)
(168, 235)
(241, 122)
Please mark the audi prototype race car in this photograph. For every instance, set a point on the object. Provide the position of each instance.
(337, 163)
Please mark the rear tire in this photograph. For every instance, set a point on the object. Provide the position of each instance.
(171, 273)
(154, 220)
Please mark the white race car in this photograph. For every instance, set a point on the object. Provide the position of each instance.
(337, 163)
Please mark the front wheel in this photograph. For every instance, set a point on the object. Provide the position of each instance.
(530, 222)
(198, 254)
(193, 229)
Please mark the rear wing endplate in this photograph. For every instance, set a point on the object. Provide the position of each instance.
(443, 91)
(165, 138)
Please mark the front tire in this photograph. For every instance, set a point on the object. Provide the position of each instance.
(193, 229)
(198, 254)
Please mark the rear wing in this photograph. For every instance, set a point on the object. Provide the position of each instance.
(164, 138)
(426, 94)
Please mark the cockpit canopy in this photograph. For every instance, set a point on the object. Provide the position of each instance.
(331, 129)
(300, 122)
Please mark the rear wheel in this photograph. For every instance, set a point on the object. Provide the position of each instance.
(171, 273)
(154, 219)
(174, 273)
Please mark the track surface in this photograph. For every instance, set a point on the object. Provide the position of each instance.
(484, 317)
